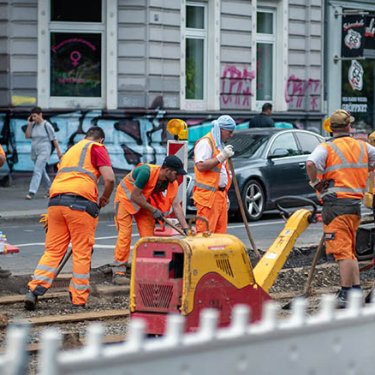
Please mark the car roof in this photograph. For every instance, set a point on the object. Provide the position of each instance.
(271, 131)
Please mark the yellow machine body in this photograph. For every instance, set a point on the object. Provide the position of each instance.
(187, 274)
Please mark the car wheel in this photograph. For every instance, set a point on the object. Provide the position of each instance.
(253, 199)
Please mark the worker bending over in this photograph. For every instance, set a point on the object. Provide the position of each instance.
(147, 194)
(73, 211)
(338, 171)
(212, 176)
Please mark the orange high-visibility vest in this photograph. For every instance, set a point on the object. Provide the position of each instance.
(76, 173)
(126, 186)
(347, 165)
(207, 182)
(163, 201)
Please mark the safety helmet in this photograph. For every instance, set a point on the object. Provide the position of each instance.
(327, 125)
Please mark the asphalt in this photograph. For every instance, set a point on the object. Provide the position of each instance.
(14, 207)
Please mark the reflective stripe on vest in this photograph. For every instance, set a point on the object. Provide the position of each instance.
(79, 168)
(128, 194)
(349, 175)
(344, 162)
(204, 186)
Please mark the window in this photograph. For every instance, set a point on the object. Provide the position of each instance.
(287, 142)
(308, 142)
(270, 56)
(74, 68)
(265, 52)
(200, 49)
(195, 50)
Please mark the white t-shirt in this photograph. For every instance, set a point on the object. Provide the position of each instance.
(202, 152)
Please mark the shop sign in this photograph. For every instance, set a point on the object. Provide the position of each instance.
(358, 35)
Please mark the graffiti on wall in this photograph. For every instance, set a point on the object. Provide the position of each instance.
(301, 94)
(130, 138)
(236, 87)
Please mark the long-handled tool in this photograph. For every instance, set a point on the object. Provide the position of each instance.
(177, 229)
(63, 262)
(242, 210)
(307, 290)
(68, 254)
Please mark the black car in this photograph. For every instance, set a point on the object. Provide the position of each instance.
(269, 163)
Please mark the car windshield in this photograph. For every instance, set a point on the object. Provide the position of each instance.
(249, 145)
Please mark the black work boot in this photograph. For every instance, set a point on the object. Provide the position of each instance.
(30, 300)
(342, 299)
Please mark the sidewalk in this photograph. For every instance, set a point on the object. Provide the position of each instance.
(14, 206)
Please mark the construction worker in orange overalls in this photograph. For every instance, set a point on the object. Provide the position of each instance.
(338, 171)
(147, 194)
(73, 211)
(212, 176)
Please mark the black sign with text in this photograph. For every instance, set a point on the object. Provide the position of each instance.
(353, 35)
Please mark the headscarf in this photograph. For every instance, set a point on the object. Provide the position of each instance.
(223, 122)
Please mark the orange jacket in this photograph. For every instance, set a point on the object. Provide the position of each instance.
(126, 186)
(207, 182)
(76, 173)
(347, 165)
(162, 201)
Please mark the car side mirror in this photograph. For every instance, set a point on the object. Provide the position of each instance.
(278, 153)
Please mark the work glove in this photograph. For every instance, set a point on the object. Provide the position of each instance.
(158, 215)
(320, 185)
(225, 154)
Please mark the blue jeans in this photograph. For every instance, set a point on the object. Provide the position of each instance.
(39, 174)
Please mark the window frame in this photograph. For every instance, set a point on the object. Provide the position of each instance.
(211, 98)
(280, 52)
(108, 31)
(270, 39)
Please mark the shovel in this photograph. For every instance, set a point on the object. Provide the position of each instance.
(240, 204)
(307, 291)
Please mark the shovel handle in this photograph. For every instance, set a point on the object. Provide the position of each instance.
(242, 210)
(177, 229)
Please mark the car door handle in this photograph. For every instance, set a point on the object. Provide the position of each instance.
(302, 165)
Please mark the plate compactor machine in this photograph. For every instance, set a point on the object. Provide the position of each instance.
(187, 274)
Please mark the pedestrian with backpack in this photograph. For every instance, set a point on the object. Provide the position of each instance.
(42, 136)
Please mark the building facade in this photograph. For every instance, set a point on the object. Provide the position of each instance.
(130, 65)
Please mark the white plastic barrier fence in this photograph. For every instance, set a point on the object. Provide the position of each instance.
(14, 360)
(329, 342)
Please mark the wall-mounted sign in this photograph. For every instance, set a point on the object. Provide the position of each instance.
(355, 75)
(358, 35)
(76, 64)
(357, 95)
(353, 31)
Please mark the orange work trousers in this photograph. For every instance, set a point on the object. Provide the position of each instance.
(217, 215)
(64, 226)
(340, 236)
(123, 220)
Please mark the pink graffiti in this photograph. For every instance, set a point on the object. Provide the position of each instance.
(298, 92)
(236, 86)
